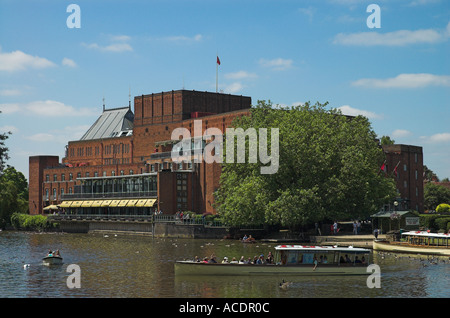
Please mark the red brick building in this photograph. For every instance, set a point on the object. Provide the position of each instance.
(123, 163)
(405, 163)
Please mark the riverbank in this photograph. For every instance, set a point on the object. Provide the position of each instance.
(365, 241)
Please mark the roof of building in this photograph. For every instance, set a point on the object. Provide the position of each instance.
(114, 122)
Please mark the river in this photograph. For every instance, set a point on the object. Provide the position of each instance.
(142, 267)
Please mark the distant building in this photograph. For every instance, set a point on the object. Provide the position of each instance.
(405, 163)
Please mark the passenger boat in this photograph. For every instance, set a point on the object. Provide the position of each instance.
(291, 260)
(418, 242)
(52, 260)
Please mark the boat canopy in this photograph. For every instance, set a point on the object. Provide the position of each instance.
(321, 249)
(427, 234)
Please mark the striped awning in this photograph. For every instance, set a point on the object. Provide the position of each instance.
(150, 202)
(123, 203)
(86, 204)
(65, 204)
(97, 203)
(106, 203)
(76, 204)
(132, 202)
(114, 203)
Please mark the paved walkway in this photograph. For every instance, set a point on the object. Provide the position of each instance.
(347, 240)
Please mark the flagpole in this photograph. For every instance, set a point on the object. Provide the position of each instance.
(217, 76)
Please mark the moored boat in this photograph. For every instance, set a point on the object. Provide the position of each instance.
(417, 242)
(291, 260)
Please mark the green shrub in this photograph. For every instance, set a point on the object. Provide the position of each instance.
(21, 221)
(443, 223)
(443, 208)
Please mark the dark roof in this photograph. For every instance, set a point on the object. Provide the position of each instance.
(114, 122)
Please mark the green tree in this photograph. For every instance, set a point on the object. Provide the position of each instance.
(328, 169)
(13, 194)
(386, 140)
(435, 194)
(3, 150)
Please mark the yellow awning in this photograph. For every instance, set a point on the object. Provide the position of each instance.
(76, 204)
(65, 204)
(106, 203)
(86, 204)
(150, 202)
(114, 203)
(97, 203)
(141, 202)
(123, 202)
(132, 202)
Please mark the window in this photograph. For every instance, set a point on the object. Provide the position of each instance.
(54, 193)
(70, 176)
(417, 191)
(46, 194)
(47, 177)
(416, 174)
(63, 177)
(404, 167)
(405, 184)
(415, 157)
(55, 178)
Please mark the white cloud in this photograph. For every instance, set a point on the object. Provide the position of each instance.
(48, 108)
(115, 47)
(233, 88)
(401, 133)
(240, 75)
(350, 111)
(436, 138)
(19, 61)
(10, 92)
(9, 128)
(396, 38)
(405, 81)
(9, 108)
(68, 62)
(278, 64)
(184, 39)
(60, 135)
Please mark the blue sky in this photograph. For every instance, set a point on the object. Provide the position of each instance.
(53, 78)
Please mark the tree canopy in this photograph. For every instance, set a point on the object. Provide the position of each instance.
(328, 169)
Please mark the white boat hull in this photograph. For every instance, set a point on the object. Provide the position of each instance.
(406, 248)
(52, 260)
(194, 268)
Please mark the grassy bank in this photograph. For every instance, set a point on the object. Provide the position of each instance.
(21, 221)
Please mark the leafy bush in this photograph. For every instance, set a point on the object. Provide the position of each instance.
(443, 223)
(22, 221)
(443, 208)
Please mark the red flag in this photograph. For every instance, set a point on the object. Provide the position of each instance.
(218, 61)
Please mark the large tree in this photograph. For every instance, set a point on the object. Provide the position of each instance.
(13, 194)
(328, 169)
(435, 194)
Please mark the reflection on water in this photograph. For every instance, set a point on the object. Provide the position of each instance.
(139, 266)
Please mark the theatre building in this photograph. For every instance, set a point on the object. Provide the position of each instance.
(123, 165)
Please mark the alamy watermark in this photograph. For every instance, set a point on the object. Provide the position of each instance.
(193, 147)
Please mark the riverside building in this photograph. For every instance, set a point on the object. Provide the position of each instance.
(123, 164)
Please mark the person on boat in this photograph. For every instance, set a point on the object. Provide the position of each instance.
(260, 260)
(325, 260)
(50, 253)
(196, 259)
(269, 259)
(205, 260)
(357, 260)
(315, 263)
(363, 260)
(245, 238)
(242, 260)
(225, 260)
(234, 261)
(347, 259)
(57, 253)
(212, 260)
